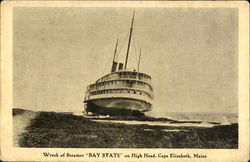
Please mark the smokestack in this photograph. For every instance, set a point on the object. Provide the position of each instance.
(114, 66)
(120, 67)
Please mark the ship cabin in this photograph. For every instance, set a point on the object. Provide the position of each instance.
(122, 83)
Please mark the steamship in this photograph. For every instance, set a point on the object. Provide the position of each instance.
(121, 92)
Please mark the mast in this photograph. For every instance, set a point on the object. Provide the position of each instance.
(114, 64)
(139, 61)
(115, 49)
(130, 35)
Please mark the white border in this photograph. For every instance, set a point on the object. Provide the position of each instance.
(35, 154)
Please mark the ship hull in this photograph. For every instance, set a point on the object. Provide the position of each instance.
(117, 106)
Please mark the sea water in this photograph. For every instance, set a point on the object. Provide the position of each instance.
(222, 118)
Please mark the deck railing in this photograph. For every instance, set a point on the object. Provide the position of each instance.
(121, 84)
(121, 91)
(125, 75)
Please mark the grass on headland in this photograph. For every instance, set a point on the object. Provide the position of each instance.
(57, 130)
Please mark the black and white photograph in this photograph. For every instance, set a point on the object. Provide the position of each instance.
(128, 76)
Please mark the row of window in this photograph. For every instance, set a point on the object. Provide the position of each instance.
(125, 83)
(109, 91)
(132, 75)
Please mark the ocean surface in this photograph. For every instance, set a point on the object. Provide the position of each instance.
(223, 118)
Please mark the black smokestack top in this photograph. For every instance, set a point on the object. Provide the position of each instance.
(120, 67)
(114, 66)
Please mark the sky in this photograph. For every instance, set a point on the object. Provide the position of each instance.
(191, 54)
